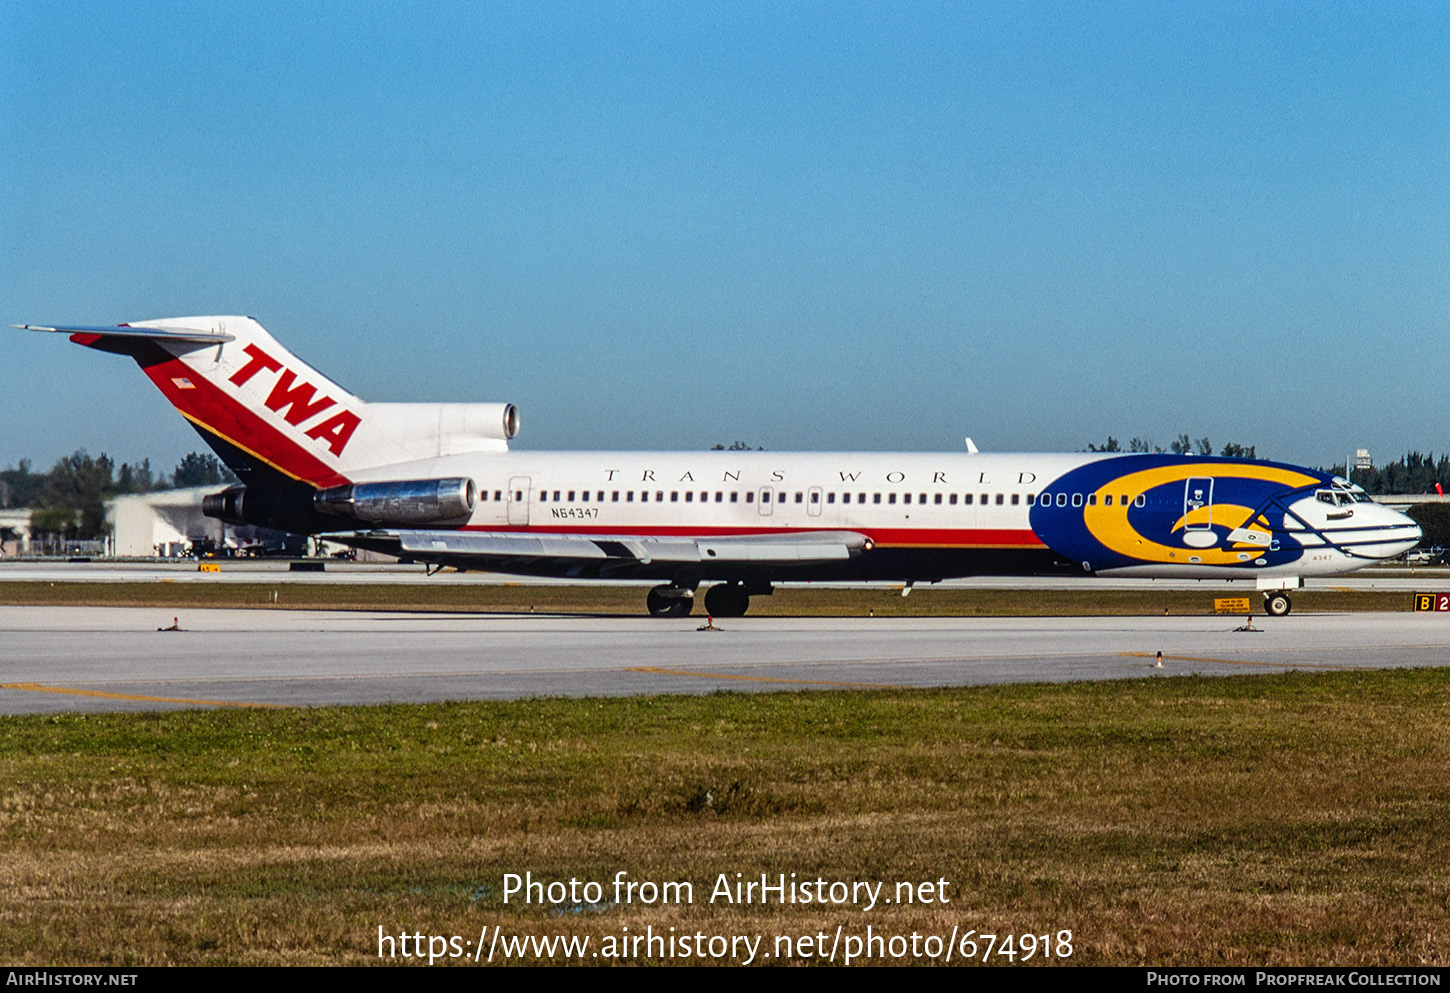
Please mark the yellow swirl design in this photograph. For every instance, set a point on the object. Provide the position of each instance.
(1109, 525)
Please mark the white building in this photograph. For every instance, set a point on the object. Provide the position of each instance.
(15, 531)
(165, 523)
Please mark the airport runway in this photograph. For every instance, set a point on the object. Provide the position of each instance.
(99, 659)
(273, 571)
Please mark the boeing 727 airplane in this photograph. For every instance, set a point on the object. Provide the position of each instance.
(436, 483)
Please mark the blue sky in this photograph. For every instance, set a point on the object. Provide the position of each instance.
(874, 226)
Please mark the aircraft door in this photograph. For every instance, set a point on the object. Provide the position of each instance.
(813, 501)
(766, 501)
(1198, 494)
(519, 500)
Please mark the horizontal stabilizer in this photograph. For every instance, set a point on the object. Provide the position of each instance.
(195, 335)
(811, 546)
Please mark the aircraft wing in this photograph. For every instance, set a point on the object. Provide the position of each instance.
(194, 335)
(624, 549)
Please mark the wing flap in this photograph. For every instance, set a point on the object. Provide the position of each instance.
(808, 546)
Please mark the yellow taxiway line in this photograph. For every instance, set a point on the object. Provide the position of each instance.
(759, 679)
(39, 688)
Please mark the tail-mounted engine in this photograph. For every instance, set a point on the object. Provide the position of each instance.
(402, 503)
(396, 503)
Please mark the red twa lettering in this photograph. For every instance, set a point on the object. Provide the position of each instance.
(295, 403)
(336, 430)
(259, 360)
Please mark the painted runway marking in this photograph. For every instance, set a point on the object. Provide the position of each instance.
(1265, 665)
(38, 688)
(760, 679)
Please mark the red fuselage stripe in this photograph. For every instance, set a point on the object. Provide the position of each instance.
(882, 537)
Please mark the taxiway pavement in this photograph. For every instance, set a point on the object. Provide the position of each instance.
(99, 659)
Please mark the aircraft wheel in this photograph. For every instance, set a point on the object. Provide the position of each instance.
(1278, 604)
(727, 600)
(661, 605)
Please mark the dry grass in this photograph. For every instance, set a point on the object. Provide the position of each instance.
(1294, 819)
(629, 600)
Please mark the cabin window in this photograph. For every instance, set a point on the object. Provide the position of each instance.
(830, 498)
(1077, 499)
(719, 496)
(498, 495)
(845, 498)
(891, 498)
(584, 496)
(922, 499)
(1092, 499)
(543, 496)
(986, 499)
(614, 497)
(815, 497)
(1031, 499)
(938, 498)
(750, 497)
(571, 496)
(689, 497)
(599, 496)
(1108, 500)
(876, 498)
(799, 497)
(860, 498)
(629, 497)
(674, 496)
(1000, 498)
(1123, 499)
(906, 498)
(734, 496)
(967, 499)
(644, 496)
(659, 496)
(1015, 498)
(1140, 501)
(1062, 499)
(952, 500)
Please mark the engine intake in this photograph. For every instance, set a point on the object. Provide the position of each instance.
(403, 502)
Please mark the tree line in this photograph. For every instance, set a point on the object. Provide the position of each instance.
(1182, 445)
(1415, 473)
(69, 500)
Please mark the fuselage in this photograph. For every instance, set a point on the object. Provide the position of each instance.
(933, 516)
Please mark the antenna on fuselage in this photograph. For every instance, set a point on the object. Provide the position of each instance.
(971, 448)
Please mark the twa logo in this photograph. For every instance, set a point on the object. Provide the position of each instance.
(298, 402)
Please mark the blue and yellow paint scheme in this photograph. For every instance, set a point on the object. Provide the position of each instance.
(1204, 516)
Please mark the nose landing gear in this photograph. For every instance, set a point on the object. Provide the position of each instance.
(1277, 603)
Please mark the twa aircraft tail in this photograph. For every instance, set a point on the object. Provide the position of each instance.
(273, 419)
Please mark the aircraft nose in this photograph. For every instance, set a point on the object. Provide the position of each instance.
(1399, 533)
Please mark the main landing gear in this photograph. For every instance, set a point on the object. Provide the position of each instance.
(1277, 603)
(727, 600)
(670, 601)
(721, 600)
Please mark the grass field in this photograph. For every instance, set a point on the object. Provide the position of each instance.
(1267, 820)
(629, 600)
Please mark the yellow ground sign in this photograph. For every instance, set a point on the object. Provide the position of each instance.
(1231, 605)
(208, 567)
